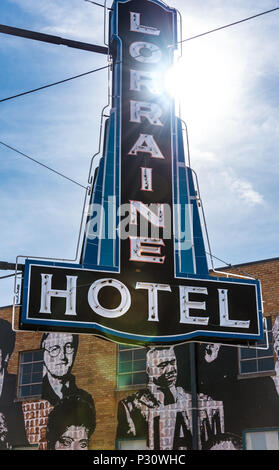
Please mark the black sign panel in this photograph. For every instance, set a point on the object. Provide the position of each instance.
(100, 303)
(146, 32)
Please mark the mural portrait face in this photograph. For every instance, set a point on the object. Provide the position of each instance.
(3, 432)
(59, 354)
(211, 352)
(7, 343)
(162, 367)
(74, 438)
(275, 331)
(225, 441)
(70, 425)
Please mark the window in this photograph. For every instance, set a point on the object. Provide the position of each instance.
(132, 444)
(30, 447)
(30, 373)
(261, 440)
(131, 367)
(255, 361)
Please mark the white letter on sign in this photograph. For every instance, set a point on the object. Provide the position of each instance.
(69, 294)
(153, 297)
(109, 312)
(142, 79)
(147, 144)
(138, 248)
(145, 52)
(136, 27)
(224, 312)
(150, 111)
(186, 305)
(155, 219)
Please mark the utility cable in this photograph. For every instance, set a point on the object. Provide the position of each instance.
(222, 261)
(171, 45)
(55, 83)
(225, 26)
(99, 4)
(8, 275)
(42, 164)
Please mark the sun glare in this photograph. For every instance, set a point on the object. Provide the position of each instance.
(204, 81)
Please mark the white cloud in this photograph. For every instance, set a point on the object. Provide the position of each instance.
(73, 18)
(241, 189)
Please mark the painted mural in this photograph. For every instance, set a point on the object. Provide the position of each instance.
(227, 404)
(12, 426)
(65, 417)
(161, 413)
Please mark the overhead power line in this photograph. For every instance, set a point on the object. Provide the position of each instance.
(226, 26)
(98, 4)
(42, 164)
(53, 84)
(107, 66)
(9, 275)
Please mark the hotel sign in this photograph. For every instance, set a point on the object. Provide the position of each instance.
(143, 275)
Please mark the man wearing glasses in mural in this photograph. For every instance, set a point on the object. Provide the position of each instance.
(59, 354)
(71, 423)
(161, 413)
(11, 411)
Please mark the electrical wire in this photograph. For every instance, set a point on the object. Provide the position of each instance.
(8, 275)
(225, 26)
(99, 4)
(222, 261)
(55, 83)
(42, 164)
(171, 45)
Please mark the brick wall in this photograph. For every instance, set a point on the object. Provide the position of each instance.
(95, 366)
(95, 369)
(267, 272)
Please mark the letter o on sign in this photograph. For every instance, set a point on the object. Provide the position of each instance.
(94, 303)
(146, 52)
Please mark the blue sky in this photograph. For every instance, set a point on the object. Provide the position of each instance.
(229, 100)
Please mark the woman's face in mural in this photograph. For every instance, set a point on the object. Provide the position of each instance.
(226, 445)
(74, 438)
(162, 367)
(59, 354)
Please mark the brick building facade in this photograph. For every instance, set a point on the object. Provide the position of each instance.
(130, 413)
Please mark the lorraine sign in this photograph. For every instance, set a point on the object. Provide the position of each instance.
(143, 276)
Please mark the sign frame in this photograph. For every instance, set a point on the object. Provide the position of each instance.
(108, 257)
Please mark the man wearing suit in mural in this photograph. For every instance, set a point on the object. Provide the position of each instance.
(59, 354)
(11, 411)
(71, 423)
(246, 401)
(161, 413)
(140, 415)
